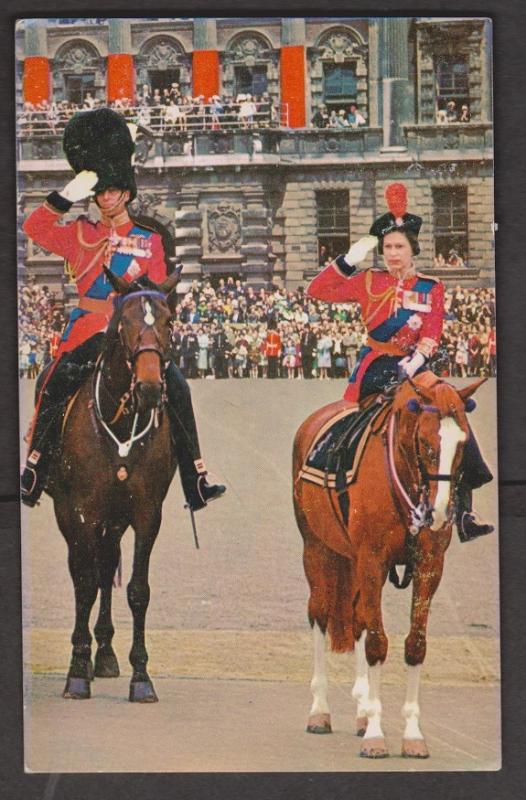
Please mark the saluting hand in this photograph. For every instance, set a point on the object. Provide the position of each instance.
(80, 187)
(359, 250)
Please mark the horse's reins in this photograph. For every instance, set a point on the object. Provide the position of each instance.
(124, 448)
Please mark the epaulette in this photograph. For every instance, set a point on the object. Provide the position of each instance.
(428, 277)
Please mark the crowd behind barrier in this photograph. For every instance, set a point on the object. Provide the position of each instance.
(237, 331)
(167, 110)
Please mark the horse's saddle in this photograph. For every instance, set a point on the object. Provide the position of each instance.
(335, 454)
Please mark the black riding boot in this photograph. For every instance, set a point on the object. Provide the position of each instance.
(475, 473)
(184, 434)
(67, 376)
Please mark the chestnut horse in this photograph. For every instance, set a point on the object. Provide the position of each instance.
(113, 470)
(401, 510)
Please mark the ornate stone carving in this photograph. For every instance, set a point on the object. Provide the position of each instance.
(249, 49)
(146, 203)
(143, 145)
(339, 45)
(163, 54)
(224, 228)
(77, 57)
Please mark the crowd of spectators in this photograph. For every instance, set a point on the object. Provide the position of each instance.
(452, 114)
(40, 323)
(159, 110)
(237, 331)
(346, 117)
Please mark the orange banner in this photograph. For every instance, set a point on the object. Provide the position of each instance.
(121, 77)
(292, 70)
(205, 73)
(36, 81)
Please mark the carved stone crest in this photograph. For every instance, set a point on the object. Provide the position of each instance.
(249, 50)
(338, 46)
(77, 57)
(164, 54)
(224, 228)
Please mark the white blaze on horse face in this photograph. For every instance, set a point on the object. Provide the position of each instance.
(149, 318)
(450, 437)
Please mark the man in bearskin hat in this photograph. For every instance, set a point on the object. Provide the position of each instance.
(403, 311)
(99, 147)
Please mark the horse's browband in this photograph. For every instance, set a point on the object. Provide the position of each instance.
(119, 299)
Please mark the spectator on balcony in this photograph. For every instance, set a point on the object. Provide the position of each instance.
(442, 117)
(465, 114)
(157, 110)
(247, 111)
(451, 111)
(89, 100)
(215, 109)
(333, 119)
(321, 117)
(175, 93)
(144, 116)
(354, 118)
(172, 117)
(454, 259)
(25, 119)
(145, 97)
(439, 261)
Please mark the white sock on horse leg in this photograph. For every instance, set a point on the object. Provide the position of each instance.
(360, 689)
(411, 708)
(319, 683)
(374, 705)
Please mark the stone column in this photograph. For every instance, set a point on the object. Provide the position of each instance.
(121, 69)
(293, 71)
(205, 58)
(397, 88)
(37, 77)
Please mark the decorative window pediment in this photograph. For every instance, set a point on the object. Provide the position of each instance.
(77, 57)
(248, 49)
(339, 45)
(162, 53)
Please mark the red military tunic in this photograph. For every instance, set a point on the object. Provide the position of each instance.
(401, 316)
(129, 250)
(273, 344)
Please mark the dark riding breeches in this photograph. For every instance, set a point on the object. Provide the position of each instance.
(69, 374)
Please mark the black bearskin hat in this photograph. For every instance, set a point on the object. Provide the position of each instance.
(100, 140)
(397, 219)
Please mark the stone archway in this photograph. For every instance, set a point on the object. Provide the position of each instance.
(164, 54)
(338, 69)
(78, 68)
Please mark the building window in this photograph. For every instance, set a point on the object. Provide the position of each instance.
(452, 82)
(251, 80)
(162, 78)
(332, 224)
(78, 86)
(340, 85)
(451, 226)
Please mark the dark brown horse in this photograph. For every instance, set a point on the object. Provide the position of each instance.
(113, 471)
(401, 509)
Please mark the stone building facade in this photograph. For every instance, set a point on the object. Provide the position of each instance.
(268, 202)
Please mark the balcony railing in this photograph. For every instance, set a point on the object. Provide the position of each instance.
(261, 133)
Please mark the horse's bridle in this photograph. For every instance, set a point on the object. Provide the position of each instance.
(140, 347)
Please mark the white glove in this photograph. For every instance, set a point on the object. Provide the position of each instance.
(358, 251)
(411, 364)
(80, 187)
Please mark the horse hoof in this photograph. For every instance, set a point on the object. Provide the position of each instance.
(77, 689)
(374, 748)
(106, 665)
(142, 692)
(414, 748)
(361, 726)
(319, 723)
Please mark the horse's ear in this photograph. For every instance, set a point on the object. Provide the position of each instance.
(171, 282)
(471, 389)
(119, 284)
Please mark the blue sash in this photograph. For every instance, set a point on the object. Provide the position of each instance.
(120, 262)
(391, 326)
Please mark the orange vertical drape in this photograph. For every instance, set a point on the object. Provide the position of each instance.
(292, 76)
(205, 73)
(36, 80)
(121, 77)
